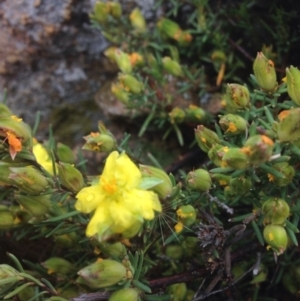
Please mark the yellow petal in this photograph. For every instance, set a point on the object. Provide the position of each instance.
(99, 223)
(89, 198)
(110, 165)
(121, 216)
(127, 173)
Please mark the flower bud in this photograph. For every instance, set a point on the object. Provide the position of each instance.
(177, 115)
(194, 114)
(199, 179)
(16, 133)
(64, 153)
(103, 273)
(26, 294)
(68, 240)
(115, 9)
(70, 177)
(206, 138)
(178, 291)
(275, 211)
(37, 205)
(169, 28)
(136, 59)
(258, 149)
(57, 265)
(174, 252)
(288, 129)
(125, 294)
(239, 186)
(172, 66)
(293, 84)
(101, 12)
(186, 216)
(123, 61)
(163, 189)
(137, 20)
(264, 72)
(132, 231)
(235, 158)
(237, 97)
(102, 141)
(286, 170)
(276, 237)
(218, 56)
(4, 110)
(233, 124)
(216, 153)
(119, 91)
(131, 84)
(117, 249)
(7, 221)
(183, 38)
(28, 179)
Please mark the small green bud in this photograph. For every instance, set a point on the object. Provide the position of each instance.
(174, 252)
(7, 220)
(57, 265)
(123, 61)
(103, 273)
(206, 138)
(172, 66)
(241, 185)
(286, 170)
(216, 153)
(288, 129)
(264, 72)
(137, 20)
(258, 149)
(70, 177)
(163, 189)
(293, 84)
(119, 91)
(125, 294)
(276, 237)
(101, 12)
(235, 157)
(26, 294)
(186, 216)
(218, 56)
(177, 115)
(28, 179)
(178, 291)
(64, 153)
(194, 114)
(233, 124)
(115, 9)
(67, 240)
(237, 97)
(37, 205)
(116, 249)
(102, 141)
(199, 179)
(131, 83)
(169, 28)
(275, 211)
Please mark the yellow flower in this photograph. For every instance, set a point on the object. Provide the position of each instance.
(118, 203)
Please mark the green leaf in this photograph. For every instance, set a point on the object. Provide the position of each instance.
(149, 182)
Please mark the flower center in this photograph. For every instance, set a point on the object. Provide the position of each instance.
(110, 186)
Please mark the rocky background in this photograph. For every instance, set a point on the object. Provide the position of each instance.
(51, 61)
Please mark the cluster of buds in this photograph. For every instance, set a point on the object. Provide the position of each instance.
(102, 141)
(275, 212)
(172, 30)
(191, 114)
(102, 11)
(237, 97)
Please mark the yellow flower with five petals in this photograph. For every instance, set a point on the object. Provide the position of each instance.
(119, 205)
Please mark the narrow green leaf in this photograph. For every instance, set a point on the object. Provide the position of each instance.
(258, 233)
